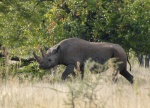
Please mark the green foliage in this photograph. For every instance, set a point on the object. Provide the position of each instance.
(31, 71)
(138, 22)
(27, 25)
(22, 26)
(125, 22)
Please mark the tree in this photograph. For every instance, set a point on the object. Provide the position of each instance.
(28, 25)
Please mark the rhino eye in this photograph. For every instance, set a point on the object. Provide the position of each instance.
(49, 60)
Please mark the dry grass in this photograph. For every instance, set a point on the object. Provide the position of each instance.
(108, 95)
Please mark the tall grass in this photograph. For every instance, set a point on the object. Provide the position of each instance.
(95, 91)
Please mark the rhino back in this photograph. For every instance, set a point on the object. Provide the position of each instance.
(75, 49)
(71, 50)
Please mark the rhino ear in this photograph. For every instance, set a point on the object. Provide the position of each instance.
(58, 49)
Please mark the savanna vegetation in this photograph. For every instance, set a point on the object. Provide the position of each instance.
(28, 25)
(95, 91)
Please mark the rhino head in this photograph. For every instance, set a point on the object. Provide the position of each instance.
(49, 59)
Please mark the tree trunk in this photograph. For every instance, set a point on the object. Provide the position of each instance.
(147, 58)
(141, 60)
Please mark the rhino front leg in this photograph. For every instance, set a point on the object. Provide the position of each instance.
(69, 70)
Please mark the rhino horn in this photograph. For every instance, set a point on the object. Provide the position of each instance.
(43, 54)
(39, 59)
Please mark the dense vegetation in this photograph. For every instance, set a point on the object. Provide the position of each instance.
(26, 25)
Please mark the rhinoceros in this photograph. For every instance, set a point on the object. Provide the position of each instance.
(70, 51)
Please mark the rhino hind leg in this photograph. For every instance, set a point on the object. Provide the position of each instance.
(69, 70)
(127, 75)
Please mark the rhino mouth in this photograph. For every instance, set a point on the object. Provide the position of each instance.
(44, 67)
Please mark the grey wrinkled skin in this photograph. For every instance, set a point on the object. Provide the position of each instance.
(70, 51)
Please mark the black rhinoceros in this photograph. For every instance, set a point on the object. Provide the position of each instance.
(70, 51)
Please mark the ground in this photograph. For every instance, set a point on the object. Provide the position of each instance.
(105, 93)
